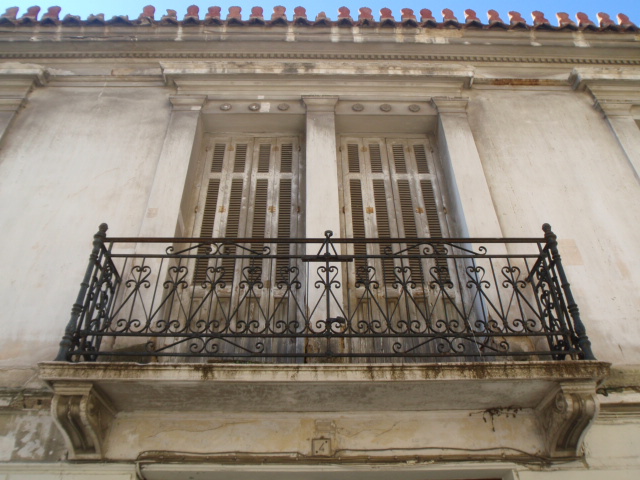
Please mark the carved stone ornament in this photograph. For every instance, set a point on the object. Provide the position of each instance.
(225, 106)
(83, 416)
(357, 107)
(385, 107)
(283, 107)
(254, 107)
(565, 416)
(414, 107)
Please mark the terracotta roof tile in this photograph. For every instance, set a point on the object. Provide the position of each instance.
(565, 22)
(495, 21)
(344, 18)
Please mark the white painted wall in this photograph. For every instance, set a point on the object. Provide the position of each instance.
(74, 157)
(549, 156)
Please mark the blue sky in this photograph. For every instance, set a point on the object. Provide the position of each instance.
(525, 7)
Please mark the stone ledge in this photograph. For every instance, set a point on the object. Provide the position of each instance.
(555, 402)
(325, 387)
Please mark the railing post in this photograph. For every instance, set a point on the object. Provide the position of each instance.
(78, 307)
(584, 344)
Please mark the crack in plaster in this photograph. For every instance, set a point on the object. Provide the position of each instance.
(202, 430)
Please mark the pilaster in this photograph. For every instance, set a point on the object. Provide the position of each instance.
(163, 207)
(624, 127)
(474, 212)
(321, 174)
(616, 92)
(322, 202)
(16, 81)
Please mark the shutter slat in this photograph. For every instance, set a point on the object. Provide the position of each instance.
(357, 222)
(233, 225)
(206, 229)
(421, 158)
(286, 158)
(375, 158)
(409, 224)
(429, 197)
(259, 213)
(384, 227)
(406, 208)
(240, 159)
(399, 158)
(218, 157)
(264, 157)
(353, 158)
(284, 224)
(433, 222)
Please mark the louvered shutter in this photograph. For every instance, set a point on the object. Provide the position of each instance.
(390, 191)
(250, 189)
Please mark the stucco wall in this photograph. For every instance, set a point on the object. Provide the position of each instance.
(549, 156)
(73, 158)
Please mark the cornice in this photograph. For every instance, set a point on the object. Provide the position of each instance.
(326, 56)
(611, 87)
(20, 73)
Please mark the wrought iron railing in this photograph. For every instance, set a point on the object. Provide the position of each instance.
(310, 300)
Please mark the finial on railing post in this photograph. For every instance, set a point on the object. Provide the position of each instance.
(69, 332)
(584, 344)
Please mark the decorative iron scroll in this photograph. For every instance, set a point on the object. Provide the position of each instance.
(406, 299)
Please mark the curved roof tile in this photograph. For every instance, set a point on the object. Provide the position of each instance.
(365, 18)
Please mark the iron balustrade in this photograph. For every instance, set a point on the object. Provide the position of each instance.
(296, 300)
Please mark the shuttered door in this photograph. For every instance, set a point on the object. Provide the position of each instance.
(390, 191)
(250, 189)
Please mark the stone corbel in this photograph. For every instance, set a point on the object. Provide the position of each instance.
(565, 415)
(83, 416)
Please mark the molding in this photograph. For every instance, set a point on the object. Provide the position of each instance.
(295, 468)
(565, 415)
(573, 370)
(320, 103)
(16, 81)
(187, 102)
(583, 78)
(12, 72)
(328, 56)
(11, 103)
(450, 104)
(612, 108)
(83, 416)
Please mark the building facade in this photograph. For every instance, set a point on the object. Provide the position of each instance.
(325, 254)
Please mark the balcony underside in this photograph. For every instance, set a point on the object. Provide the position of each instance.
(539, 408)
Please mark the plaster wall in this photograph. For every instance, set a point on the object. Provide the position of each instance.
(74, 157)
(549, 156)
(611, 451)
(352, 434)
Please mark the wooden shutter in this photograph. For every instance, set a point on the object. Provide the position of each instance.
(390, 191)
(250, 190)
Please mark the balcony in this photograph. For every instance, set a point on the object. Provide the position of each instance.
(307, 300)
(306, 334)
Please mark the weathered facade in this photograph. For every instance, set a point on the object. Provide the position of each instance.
(438, 332)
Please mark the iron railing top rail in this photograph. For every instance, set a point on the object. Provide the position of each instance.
(319, 240)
